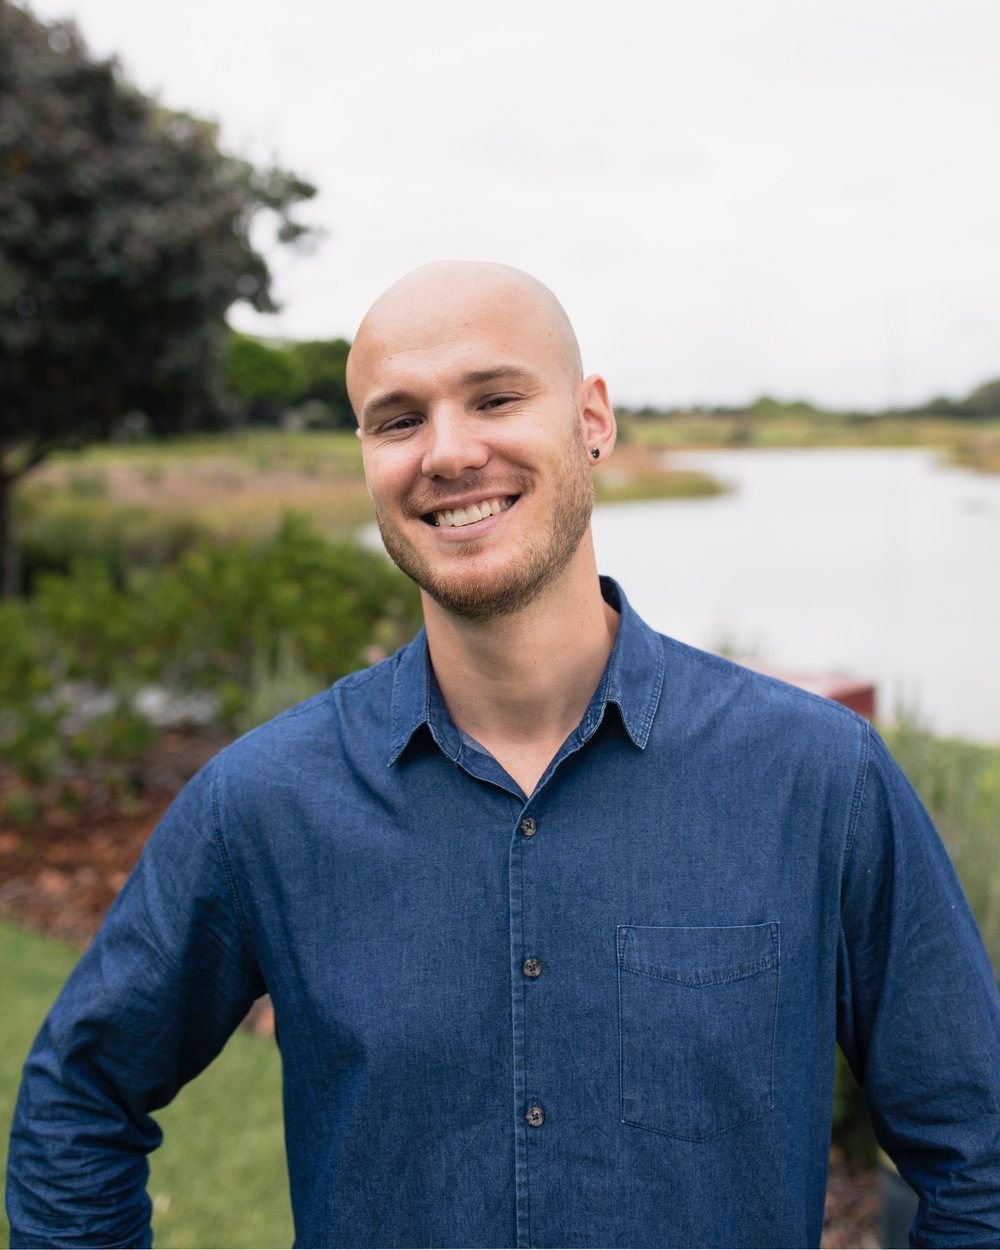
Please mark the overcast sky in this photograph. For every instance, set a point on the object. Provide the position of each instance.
(730, 197)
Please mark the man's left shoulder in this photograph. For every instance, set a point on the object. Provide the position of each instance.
(712, 695)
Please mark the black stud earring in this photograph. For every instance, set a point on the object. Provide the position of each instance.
(595, 453)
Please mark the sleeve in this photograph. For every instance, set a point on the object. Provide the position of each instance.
(918, 1014)
(164, 983)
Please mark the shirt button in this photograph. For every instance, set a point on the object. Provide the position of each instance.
(535, 1116)
(528, 826)
(531, 968)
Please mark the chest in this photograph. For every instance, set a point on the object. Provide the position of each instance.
(433, 864)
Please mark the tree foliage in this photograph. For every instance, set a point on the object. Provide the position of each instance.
(264, 379)
(323, 365)
(124, 238)
(270, 378)
(984, 401)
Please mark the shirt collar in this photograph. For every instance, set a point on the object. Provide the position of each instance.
(632, 679)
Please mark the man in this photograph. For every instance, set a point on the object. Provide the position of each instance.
(561, 919)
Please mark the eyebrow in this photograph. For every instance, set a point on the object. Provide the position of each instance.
(475, 377)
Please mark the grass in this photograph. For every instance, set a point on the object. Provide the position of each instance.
(637, 471)
(229, 484)
(220, 1177)
(241, 484)
(973, 443)
(959, 783)
(982, 454)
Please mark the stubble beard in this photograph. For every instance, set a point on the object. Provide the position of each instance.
(481, 596)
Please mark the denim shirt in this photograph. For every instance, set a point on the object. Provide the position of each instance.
(604, 1014)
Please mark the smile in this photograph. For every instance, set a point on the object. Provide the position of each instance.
(471, 514)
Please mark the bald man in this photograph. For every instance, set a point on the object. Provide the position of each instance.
(562, 919)
(515, 425)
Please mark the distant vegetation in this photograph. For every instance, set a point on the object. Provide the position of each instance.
(981, 401)
(299, 385)
(967, 430)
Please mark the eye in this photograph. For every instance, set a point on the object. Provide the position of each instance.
(499, 399)
(398, 424)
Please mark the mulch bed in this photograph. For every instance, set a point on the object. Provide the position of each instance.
(60, 876)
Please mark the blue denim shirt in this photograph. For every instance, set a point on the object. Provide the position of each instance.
(603, 1014)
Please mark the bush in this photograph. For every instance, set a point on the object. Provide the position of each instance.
(257, 626)
(56, 527)
(959, 784)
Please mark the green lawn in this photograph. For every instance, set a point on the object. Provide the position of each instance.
(219, 1179)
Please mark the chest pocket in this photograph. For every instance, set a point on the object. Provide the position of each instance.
(697, 1010)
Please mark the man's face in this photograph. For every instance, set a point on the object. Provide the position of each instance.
(482, 414)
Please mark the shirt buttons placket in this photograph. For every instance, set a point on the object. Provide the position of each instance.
(524, 863)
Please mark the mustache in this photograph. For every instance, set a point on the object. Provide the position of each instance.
(481, 486)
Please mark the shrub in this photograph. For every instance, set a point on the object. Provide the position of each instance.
(259, 627)
(57, 527)
(959, 783)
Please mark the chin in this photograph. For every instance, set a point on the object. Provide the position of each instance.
(482, 598)
(484, 590)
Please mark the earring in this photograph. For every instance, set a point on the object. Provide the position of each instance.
(595, 452)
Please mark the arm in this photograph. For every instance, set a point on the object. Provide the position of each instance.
(164, 983)
(918, 1010)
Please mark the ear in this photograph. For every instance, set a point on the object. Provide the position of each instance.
(597, 415)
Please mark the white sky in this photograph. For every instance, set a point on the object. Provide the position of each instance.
(729, 197)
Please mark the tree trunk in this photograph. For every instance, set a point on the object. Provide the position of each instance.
(10, 564)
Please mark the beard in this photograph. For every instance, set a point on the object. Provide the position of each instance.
(481, 594)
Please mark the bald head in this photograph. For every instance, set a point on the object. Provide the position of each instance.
(447, 306)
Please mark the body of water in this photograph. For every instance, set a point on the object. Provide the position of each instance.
(879, 563)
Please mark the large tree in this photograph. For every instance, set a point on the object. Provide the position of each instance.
(124, 238)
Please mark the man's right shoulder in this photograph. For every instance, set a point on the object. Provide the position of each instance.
(317, 732)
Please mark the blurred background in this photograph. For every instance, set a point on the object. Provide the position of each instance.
(774, 227)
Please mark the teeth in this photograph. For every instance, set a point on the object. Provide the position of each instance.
(474, 512)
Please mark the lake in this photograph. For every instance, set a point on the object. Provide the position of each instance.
(879, 563)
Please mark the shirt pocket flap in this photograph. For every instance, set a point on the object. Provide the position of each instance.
(698, 955)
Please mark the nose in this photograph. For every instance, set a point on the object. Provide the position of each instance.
(453, 444)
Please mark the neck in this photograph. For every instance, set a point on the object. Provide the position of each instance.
(526, 677)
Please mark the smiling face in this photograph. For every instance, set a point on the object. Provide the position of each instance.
(474, 425)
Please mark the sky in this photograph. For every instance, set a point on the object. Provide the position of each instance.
(730, 198)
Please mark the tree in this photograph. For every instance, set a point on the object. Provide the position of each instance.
(124, 238)
(984, 401)
(322, 367)
(264, 378)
